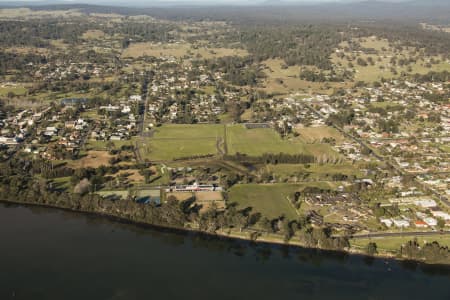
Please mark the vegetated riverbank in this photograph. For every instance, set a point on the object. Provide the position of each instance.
(244, 235)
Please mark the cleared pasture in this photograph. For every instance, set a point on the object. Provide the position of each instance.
(179, 50)
(258, 141)
(284, 80)
(174, 141)
(271, 200)
(382, 61)
(317, 134)
(93, 34)
(93, 159)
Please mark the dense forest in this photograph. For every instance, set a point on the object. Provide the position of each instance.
(39, 33)
(296, 44)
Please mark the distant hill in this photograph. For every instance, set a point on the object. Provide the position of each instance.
(417, 10)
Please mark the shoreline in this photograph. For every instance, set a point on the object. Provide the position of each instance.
(229, 235)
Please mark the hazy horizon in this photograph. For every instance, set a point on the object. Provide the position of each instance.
(203, 2)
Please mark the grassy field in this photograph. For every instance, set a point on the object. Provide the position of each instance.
(394, 243)
(91, 114)
(93, 35)
(209, 196)
(123, 194)
(131, 174)
(102, 145)
(255, 142)
(27, 50)
(180, 196)
(17, 90)
(270, 200)
(284, 80)
(316, 134)
(382, 65)
(383, 104)
(317, 171)
(62, 182)
(179, 50)
(58, 44)
(12, 13)
(175, 141)
(259, 141)
(93, 159)
(445, 148)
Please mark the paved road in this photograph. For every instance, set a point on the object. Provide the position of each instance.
(399, 234)
(141, 129)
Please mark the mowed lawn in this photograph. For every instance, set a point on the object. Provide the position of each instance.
(258, 141)
(174, 141)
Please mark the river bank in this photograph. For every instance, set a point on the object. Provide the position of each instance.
(246, 235)
(45, 253)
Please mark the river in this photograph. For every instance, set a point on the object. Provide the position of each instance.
(52, 254)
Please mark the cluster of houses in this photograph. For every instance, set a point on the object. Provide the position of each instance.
(15, 128)
(416, 137)
(343, 208)
(439, 182)
(427, 213)
(166, 104)
(119, 121)
(284, 112)
(53, 130)
(68, 70)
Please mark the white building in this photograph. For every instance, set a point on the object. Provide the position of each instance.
(401, 223)
(387, 222)
(425, 203)
(441, 214)
(430, 221)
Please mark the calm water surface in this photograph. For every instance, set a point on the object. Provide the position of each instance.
(51, 254)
